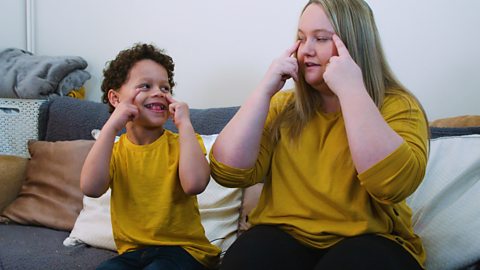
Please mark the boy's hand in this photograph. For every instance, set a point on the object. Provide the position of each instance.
(125, 111)
(178, 110)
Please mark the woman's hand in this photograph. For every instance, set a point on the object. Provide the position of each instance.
(281, 69)
(342, 73)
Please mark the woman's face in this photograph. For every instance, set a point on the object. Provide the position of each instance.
(316, 45)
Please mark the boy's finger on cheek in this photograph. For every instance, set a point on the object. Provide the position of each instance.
(171, 108)
(170, 99)
(134, 95)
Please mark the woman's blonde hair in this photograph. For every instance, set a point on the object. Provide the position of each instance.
(354, 23)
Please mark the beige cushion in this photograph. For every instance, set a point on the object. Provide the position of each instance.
(50, 195)
(12, 175)
(457, 121)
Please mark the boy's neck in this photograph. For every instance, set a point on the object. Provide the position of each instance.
(143, 136)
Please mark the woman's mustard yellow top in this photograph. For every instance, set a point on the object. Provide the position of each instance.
(312, 190)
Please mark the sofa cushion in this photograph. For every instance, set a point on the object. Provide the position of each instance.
(445, 206)
(31, 247)
(50, 195)
(437, 132)
(457, 121)
(71, 119)
(12, 175)
(455, 126)
(208, 121)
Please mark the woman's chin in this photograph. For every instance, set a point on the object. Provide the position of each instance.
(318, 84)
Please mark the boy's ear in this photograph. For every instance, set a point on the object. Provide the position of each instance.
(113, 97)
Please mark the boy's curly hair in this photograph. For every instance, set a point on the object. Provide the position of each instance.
(116, 72)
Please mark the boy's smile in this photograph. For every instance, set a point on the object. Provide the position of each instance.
(156, 107)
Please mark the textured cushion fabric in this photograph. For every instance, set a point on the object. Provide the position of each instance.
(12, 175)
(39, 248)
(445, 206)
(457, 121)
(50, 195)
(71, 119)
(437, 132)
(208, 121)
(219, 209)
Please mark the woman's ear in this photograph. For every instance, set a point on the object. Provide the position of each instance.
(113, 97)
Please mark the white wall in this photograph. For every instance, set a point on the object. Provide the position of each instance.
(222, 48)
(433, 47)
(12, 24)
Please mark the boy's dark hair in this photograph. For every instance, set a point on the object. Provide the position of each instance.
(116, 72)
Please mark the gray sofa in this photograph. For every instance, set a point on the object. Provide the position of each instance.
(64, 118)
(60, 119)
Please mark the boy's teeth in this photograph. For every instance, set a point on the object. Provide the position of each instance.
(156, 106)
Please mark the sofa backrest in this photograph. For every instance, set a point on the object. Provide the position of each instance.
(66, 118)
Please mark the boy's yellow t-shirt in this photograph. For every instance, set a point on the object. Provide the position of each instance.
(148, 204)
(312, 190)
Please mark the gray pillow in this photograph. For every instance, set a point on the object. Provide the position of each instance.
(65, 119)
(208, 121)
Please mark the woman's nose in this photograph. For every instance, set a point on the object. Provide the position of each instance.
(306, 48)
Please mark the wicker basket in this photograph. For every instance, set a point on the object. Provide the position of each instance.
(18, 124)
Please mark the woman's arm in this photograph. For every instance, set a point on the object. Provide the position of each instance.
(370, 138)
(95, 175)
(238, 143)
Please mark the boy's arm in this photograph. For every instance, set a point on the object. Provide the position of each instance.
(193, 169)
(95, 176)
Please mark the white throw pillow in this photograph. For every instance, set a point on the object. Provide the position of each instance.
(93, 225)
(446, 206)
(219, 209)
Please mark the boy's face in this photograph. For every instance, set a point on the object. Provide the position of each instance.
(151, 80)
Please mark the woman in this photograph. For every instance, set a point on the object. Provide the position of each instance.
(338, 155)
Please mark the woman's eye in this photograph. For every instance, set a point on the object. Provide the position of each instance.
(323, 39)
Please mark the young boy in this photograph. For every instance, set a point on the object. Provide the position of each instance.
(153, 174)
